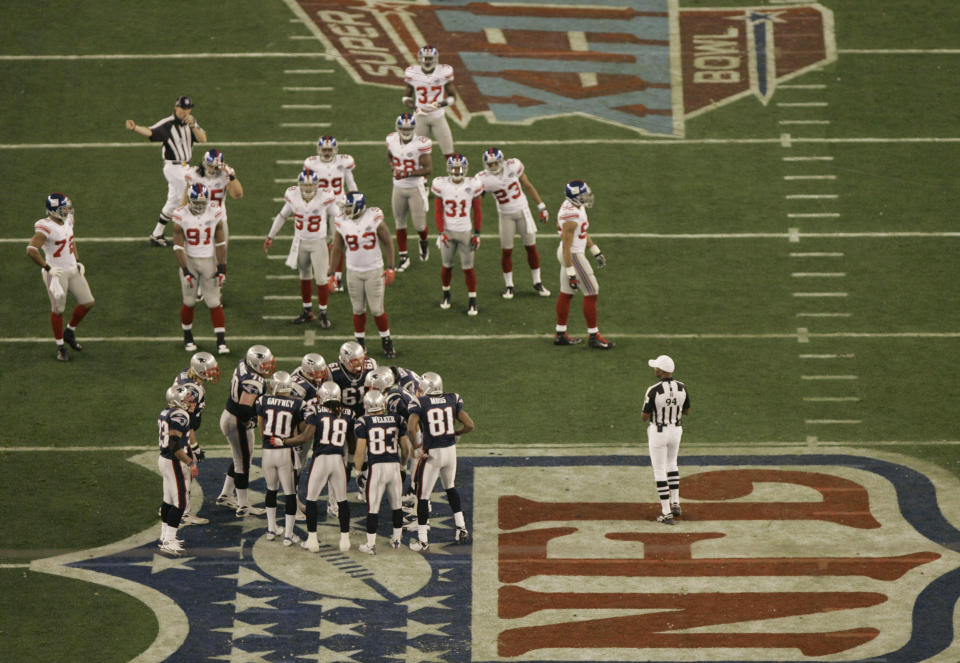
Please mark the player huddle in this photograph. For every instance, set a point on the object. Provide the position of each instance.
(329, 421)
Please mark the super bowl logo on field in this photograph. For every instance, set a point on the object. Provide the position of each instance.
(643, 64)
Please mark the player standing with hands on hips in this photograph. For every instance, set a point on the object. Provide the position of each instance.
(664, 404)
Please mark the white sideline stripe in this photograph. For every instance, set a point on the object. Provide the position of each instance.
(824, 315)
(305, 106)
(809, 177)
(819, 294)
(800, 275)
(812, 196)
(816, 254)
(834, 421)
(486, 143)
(808, 158)
(164, 56)
(831, 399)
(828, 377)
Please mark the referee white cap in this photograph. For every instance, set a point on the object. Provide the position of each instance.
(663, 362)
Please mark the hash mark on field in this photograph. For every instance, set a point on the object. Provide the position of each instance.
(831, 399)
(834, 421)
(800, 275)
(816, 254)
(305, 106)
(304, 124)
(793, 235)
(281, 297)
(819, 215)
(809, 177)
(824, 315)
(804, 122)
(844, 356)
(807, 158)
(803, 335)
(828, 377)
(281, 277)
(800, 87)
(819, 294)
(307, 71)
(307, 89)
(301, 37)
(812, 196)
(802, 104)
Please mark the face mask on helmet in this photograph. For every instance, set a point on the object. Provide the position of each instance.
(327, 148)
(431, 383)
(328, 395)
(212, 161)
(457, 167)
(427, 57)
(406, 126)
(352, 356)
(180, 396)
(314, 368)
(374, 402)
(309, 181)
(281, 384)
(204, 366)
(353, 205)
(493, 160)
(380, 379)
(197, 198)
(59, 206)
(261, 360)
(578, 192)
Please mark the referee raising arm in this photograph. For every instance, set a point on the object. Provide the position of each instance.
(177, 132)
(663, 406)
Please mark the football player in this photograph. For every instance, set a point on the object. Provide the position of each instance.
(203, 368)
(335, 172)
(330, 426)
(174, 463)
(279, 417)
(575, 270)
(457, 199)
(507, 179)
(382, 436)
(311, 209)
(435, 413)
(360, 234)
(52, 247)
(410, 161)
(200, 246)
(399, 387)
(307, 378)
(430, 90)
(214, 173)
(237, 422)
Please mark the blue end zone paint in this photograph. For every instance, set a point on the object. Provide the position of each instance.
(380, 627)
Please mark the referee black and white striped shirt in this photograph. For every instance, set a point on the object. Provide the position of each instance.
(177, 138)
(666, 402)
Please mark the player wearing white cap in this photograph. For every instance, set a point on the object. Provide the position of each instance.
(663, 406)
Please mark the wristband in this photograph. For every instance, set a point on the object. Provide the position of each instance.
(177, 247)
(222, 268)
(220, 244)
(46, 267)
(407, 99)
(571, 272)
(594, 250)
(449, 101)
(541, 206)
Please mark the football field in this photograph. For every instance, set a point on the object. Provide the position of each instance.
(776, 193)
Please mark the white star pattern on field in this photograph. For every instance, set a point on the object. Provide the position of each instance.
(245, 602)
(244, 576)
(442, 575)
(414, 655)
(420, 602)
(325, 655)
(415, 629)
(328, 629)
(243, 629)
(163, 563)
(240, 656)
(329, 603)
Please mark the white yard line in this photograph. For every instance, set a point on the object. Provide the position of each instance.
(163, 56)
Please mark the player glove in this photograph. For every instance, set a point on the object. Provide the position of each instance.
(189, 276)
(475, 241)
(389, 274)
(544, 214)
(199, 454)
(221, 275)
(267, 243)
(601, 260)
(331, 283)
(443, 241)
(572, 278)
(229, 172)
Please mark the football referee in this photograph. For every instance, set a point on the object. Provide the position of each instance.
(664, 404)
(177, 132)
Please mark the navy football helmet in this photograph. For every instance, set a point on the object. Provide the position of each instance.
(59, 206)
(354, 204)
(579, 193)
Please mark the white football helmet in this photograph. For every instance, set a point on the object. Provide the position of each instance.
(431, 383)
(374, 402)
(406, 125)
(281, 384)
(180, 396)
(261, 360)
(309, 182)
(427, 57)
(58, 206)
(327, 148)
(457, 166)
(329, 392)
(212, 161)
(203, 366)
(314, 368)
(352, 356)
(579, 193)
(380, 379)
(197, 198)
(493, 160)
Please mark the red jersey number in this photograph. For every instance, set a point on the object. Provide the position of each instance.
(62, 244)
(366, 241)
(314, 223)
(335, 184)
(450, 208)
(512, 192)
(429, 95)
(193, 236)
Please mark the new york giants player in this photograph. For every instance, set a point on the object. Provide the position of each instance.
(175, 464)
(279, 416)
(53, 248)
(430, 90)
(312, 209)
(575, 269)
(221, 180)
(360, 233)
(237, 422)
(664, 405)
(335, 173)
(435, 413)
(410, 162)
(507, 179)
(457, 199)
(200, 246)
(382, 437)
(330, 426)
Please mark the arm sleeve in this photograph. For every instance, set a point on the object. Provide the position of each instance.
(477, 214)
(279, 220)
(438, 213)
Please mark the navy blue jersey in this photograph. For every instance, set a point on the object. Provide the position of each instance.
(382, 433)
(333, 428)
(406, 379)
(438, 416)
(196, 417)
(244, 381)
(398, 401)
(351, 384)
(170, 421)
(281, 416)
(302, 387)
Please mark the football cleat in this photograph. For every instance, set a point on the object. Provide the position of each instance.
(419, 546)
(290, 540)
(171, 548)
(311, 544)
(462, 535)
(191, 519)
(227, 501)
(70, 338)
(272, 535)
(665, 518)
(222, 349)
(361, 341)
(424, 250)
(563, 338)
(600, 343)
(445, 301)
(344, 542)
(188, 343)
(396, 543)
(306, 316)
(404, 262)
(388, 350)
(323, 320)
(62, 353)
(333, 510)
(675, 509)
(158, 240)
(242, 511)
(472, 307)
(339, 284)
(367, 548)
(541, 289)
(256, 511)
(508, 292)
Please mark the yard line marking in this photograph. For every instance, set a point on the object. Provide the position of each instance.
(809, 177)
(899, 51)
(824, 315)
(279, 200)
(818, 215)
(307, 89)
(831, 399)
(305, 106)
(828, 377)
(819, 294)
(296, 37)
(164, 56)
(308, 71)
(807, 158)
(14, 566)
(804, 122)
(816, 254)
(834, 421)
(843, 356)
(812, 196)
(803, 335)
(801, 275)
(802, 104)
(304, 124)
(793, 235)
(794, 86)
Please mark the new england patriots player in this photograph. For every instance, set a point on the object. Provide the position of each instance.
(435, 413)
(175, 464)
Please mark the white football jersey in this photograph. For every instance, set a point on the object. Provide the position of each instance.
(505, 187)
(336, 175)
(216, 183)
(571, 213)
(360, 239)
(457, 200)
(199, 231)
(406, 157)
(428, 88)
(309, 217)
(58, 246)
